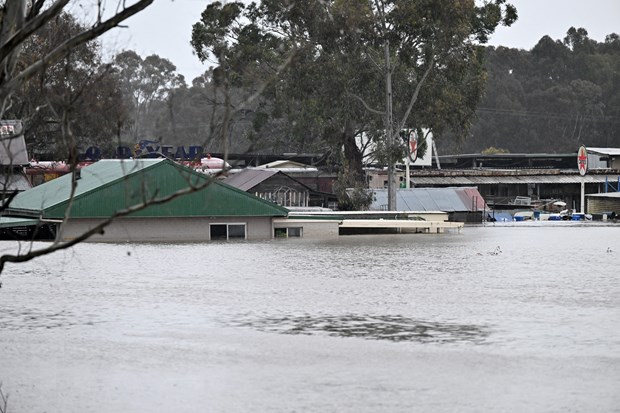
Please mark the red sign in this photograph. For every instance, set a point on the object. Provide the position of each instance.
(582, 160)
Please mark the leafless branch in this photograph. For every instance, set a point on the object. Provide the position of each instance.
(34, 22)
(7, 198)
(65, 48)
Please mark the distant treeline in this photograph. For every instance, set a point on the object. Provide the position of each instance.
(552, 98)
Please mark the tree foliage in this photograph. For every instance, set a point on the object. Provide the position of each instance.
(144, 83)
(334, 88)
(247, 63)
(80, 87)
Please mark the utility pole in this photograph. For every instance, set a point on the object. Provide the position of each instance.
(389, 136)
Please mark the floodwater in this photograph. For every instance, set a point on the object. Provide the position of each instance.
(505, 318)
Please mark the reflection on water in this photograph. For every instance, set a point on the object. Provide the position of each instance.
(386, 327)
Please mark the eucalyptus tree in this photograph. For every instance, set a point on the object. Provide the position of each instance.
(145, 83)
(361, 67)
(248, 66)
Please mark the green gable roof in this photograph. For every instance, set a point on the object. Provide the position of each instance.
(111, 185)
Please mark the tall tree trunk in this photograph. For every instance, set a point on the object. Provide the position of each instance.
(352, 155)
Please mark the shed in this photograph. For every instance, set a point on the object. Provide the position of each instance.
(462, 204)
(217, 211)
(604, 157)
(501, 188)
(603, 203)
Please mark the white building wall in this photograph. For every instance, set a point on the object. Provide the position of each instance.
(164, 229)
(311, 228)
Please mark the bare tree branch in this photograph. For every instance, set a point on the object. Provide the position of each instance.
(414, 97)
(368, 108)
(65, 48)
(33, 23)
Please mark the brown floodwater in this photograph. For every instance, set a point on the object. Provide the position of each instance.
(498, 318)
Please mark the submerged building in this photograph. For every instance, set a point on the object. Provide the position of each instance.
(463, 204)
(133, 192)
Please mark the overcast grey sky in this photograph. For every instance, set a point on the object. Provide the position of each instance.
(164, 28)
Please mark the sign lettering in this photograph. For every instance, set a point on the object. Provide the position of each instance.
(183, 153)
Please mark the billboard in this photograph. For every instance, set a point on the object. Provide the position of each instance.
(417, 143)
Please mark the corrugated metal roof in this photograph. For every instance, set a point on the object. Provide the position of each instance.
(510, 179)
(431, 199)
(92, 177)
(604, 151)
(111, 185)
(249, 178)
(10, 222)
(285, 163)
(606, 195)
(472, 197)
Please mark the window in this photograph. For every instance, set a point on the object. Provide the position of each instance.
(287, 232)
(294, 232)
(236, 231)
(226, 231)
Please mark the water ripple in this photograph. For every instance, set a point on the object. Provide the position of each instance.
(383, 327)
(33, 319)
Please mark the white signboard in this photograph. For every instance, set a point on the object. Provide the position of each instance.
(412, 142)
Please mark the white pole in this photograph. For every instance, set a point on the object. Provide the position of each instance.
(436, 155)
(388, 129)
(407, 171)
(583, 197)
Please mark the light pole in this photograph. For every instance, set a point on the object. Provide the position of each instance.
(388, 130)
